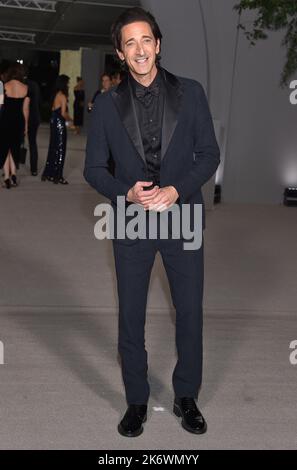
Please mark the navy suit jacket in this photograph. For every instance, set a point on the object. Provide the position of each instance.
(189, 155)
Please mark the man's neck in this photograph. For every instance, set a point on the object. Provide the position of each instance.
(147, 79)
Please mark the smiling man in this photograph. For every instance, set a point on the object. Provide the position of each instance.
(158, 130)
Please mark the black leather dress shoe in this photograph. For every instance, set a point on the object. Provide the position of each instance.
(192, 419)
(131, 424)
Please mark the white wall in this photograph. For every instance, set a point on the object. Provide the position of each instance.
(183, 45)
(262, 131)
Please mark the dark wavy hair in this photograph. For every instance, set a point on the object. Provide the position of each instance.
(131, 15)
(15, 71)
(61, 84)
(105, 74)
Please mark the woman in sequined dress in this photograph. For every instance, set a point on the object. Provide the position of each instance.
(54, 166)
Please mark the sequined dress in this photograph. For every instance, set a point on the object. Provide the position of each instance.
(57, 146)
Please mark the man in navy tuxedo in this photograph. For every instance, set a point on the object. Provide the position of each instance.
(158, 130)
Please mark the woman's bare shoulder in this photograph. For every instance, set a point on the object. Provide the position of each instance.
(60, 96)
(15, 87)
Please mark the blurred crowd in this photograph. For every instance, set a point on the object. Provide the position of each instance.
(20, 103)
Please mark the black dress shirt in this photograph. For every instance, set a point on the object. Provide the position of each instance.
(149, 104)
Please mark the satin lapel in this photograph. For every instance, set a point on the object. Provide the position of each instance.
(122, 96)
(172, 105)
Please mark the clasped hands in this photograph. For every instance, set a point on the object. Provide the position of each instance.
(157, 199)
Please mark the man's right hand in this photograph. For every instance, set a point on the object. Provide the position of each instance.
(138, 195)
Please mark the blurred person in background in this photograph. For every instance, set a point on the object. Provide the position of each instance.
(54, 166)
(105, 82)
(3, 70)
(34, 122)
(14, 122)
(116, 78)
(1, 93)
(78, 105)
(105, 85)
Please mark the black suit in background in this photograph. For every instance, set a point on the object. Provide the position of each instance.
(34, 122)
(189, 156)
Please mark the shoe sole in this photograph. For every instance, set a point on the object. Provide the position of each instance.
(178, 413)
(136, 433)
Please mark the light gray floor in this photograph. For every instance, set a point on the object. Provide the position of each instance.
(61, 385)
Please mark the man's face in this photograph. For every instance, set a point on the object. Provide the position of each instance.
(116, 80)
(106, 82)
(139, 47)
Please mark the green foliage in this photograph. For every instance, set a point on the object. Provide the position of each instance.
(274, 15)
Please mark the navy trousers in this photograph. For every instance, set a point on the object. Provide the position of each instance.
(134, 260)
(32, 134)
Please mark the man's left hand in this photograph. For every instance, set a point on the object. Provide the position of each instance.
(164, 199)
